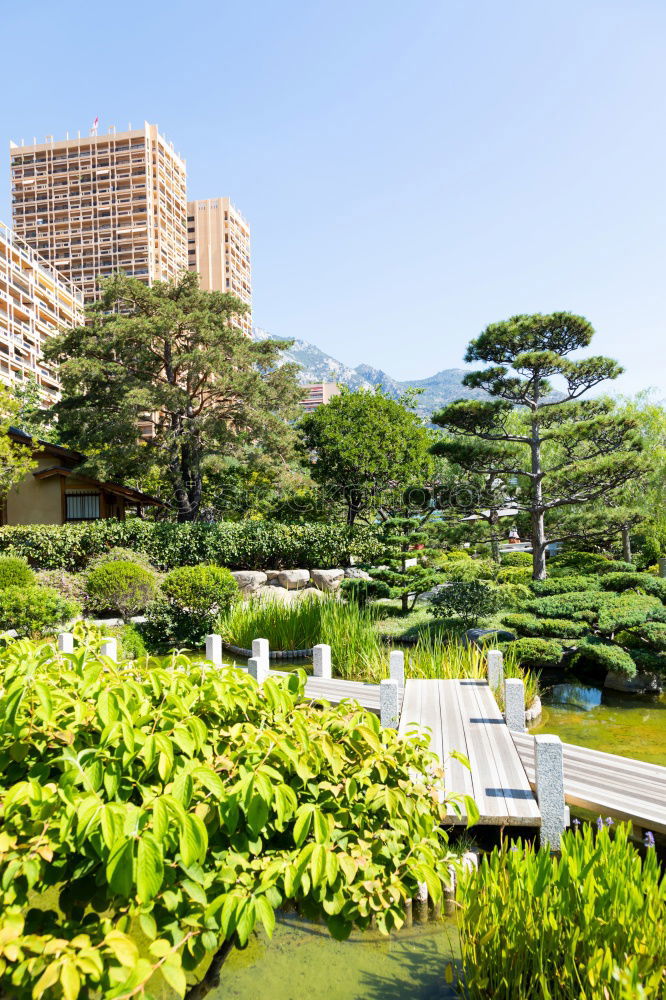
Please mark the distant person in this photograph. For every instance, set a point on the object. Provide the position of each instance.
(514, 537)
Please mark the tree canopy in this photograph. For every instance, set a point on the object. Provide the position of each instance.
(170, 354)
(551, 449)
(15, 460)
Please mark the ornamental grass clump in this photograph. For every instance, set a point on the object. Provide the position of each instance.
(191, 803)
(588, 925)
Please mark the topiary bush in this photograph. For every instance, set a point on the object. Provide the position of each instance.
(615, 566)
(619, 582)
(537, 654)
(34, 611)
(556, 628)
(471, 601)
(521, 559)
(576, 562)
(191, 600)
(513, 595)
(605, 654)
(514, 574)
(121, 587)
(15, 572)
(468, 570)
(565, 585)
(70, 585)
(119, 554)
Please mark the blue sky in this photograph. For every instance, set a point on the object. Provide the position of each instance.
(411, 172)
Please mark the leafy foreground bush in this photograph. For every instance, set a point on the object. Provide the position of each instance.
(34, 611)
(190, 803)
(237, 545)
(590, 924)
(122, 587)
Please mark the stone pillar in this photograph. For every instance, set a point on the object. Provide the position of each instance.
(214, 649)
(109, 648)
(321, 661)
(549, 767)
(257, 668)
(261, 651)
(514, 704)
(420, 908)
(66, 642)
(388, 703)
(397, 667)
(495, 669)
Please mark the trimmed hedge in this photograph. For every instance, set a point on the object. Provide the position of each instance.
(34, 611)
(15, 572)
(522, 559)
(619, 582)
(565, 585)
(537, 653)
(556, 628)
(236, 545)
(121, 587)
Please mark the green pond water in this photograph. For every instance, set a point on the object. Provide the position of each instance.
(630, 725)
(303, 961)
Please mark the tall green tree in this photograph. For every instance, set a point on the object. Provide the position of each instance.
(171, 354)
(15, 459)
(569, 452)
(366, 449)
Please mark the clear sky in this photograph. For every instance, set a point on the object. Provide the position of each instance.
(411, 171)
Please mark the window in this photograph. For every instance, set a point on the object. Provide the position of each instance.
(81, 506)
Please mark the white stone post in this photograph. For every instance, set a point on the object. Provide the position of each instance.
(321, 661)
(397, 667)
(257, 668)
(261, 651)
(109, 648)
(514, 704)
(549, 768)
(66, 642)
(495, 669)
(214, 649)
(388, 703)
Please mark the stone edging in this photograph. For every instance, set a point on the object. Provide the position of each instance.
(533, 712)
(275, 654)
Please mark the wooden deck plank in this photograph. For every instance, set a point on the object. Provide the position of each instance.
(457, 777)
(488, 793)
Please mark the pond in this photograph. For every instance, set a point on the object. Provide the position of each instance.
(630, 725)
(303, 960)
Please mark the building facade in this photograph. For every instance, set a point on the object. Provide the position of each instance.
(218, 244)
(101, 204)
(318, 393)
(35, 301)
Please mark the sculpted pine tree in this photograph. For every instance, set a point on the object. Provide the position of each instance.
(171, 354)
(565, 452)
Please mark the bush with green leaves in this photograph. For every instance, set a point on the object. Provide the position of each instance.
(576, 562)
(119, 554)
(191, 600)
(615, 566)
(565, 585)
(555, 628)
(34, 610)
(619, 582)
(537, 654)
(69, 585)
(512, 595)
(362, 592)
(514, 574)
(15, 572)
(471, 601)
(237, 545)
(468, 570)
(190, 804)
(521, 559)
(120, 587)
(590, 923)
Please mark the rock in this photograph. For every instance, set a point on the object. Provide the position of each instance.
(273, 592)
(294, 579)
(473, 636)
(327, 579)
(533, 712)
(352, 573)
(272, 574)
(307, 592)
(249, 580)
(640, 683)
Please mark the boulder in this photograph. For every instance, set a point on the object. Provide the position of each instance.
(640, 683)
(353, 573)
(327, 579)
(294, 579)
(272, 574)
(275, 593)
(249, 580)
(306, 592)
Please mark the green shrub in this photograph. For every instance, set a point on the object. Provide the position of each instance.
(588, 924)
(512, 595)
(124, 588)
(15, 572)
(237, 545)
(119, 554)
(649, 662)
(468, 570)
(471, 601)
(654, 585)
(190, 602)
(651, 635)
(70, 585)
(555, 628)
(522, 559)
(565, 585)
(33, 611)
(361, 592)
(537, 654)
(458, 554)
(576, 562)
(615, 566)
(605, 654)
(514, 574)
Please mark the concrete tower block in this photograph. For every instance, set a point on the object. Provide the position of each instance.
(66, 642)
(388, 703)
(109, 648)
(321, 660)
(214, 649)
(397, 667)
(514, 704)
(258, 669)
(495, 669)
(549, 767)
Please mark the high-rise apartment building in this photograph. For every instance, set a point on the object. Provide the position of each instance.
(318, 394)
(218, 245)
(35, 301)
(101, 204)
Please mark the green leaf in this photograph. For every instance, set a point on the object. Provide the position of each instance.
(211, 781)
(174, 976)
(266, 914)
(149, 868)
(70, 980)
(119, 868)
(318, 864)
(303, 823)
(257, 814)
(193, 840)
(124, 949)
